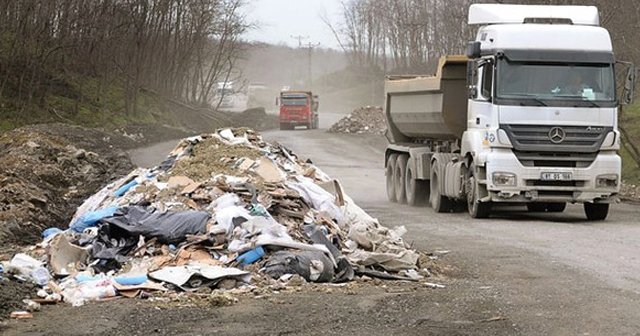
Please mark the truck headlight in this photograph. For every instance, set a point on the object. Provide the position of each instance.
(607, 181)
(504, 179)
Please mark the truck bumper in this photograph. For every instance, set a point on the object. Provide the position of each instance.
(580, 187)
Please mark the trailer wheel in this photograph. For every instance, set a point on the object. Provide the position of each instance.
(476, 208)
(596, 211)
(439, 203)
(416, 190)
(390, 175)
(398, 181)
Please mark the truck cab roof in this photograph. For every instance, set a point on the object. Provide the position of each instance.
(565, 37)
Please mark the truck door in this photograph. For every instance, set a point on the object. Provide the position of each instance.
(481, 93)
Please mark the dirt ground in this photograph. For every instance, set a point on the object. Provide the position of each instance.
(48, 171)
(517, 273)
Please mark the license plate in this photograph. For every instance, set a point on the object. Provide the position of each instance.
(555, 176)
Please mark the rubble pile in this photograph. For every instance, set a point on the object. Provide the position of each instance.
(367, 119)
(47, 171)
(629, 192)
(224, 212)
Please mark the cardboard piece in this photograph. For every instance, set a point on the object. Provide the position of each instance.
(268, 170)
(64, 257)
(191, 188)
(179, 181)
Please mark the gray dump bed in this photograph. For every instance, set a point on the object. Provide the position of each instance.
(434, 107)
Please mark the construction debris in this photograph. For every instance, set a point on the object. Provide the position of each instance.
(224, 211)
(367, 119)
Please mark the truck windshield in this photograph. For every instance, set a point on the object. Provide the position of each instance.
(554, 83)
(294, 101)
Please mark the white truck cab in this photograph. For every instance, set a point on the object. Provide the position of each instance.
(541, 115)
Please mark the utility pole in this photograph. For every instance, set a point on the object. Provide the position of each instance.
(309, 48)
(300, 38)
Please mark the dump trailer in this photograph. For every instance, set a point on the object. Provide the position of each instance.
(527, 117)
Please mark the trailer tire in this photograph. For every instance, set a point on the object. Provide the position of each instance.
(476, 208)
(416, 190)
(596, 211)
(399, 178)
(390, 175)
(438, 202)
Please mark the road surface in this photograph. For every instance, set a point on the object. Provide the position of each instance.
(513, 274)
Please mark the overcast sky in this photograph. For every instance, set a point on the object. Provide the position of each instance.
(279, 20)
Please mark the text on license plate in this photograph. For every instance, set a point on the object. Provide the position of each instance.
(555, 176)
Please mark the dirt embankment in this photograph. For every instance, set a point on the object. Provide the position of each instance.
(48, 170)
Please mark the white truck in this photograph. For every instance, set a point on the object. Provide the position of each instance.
(528, 116)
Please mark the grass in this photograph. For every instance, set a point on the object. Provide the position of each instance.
(81, 101)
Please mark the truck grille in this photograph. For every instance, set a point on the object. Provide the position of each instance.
(556, 146)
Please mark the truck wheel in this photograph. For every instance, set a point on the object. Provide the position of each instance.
(398, 181)
(416, 190)
(390, 174)
(283, 126)
(476, 208)
(439, 203)
(596, 211)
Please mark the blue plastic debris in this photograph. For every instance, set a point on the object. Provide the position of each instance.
(252, 256)
(50, 232)
(92, 218)
(123, 190)
(131, 280)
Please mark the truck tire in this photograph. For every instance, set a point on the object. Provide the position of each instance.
(476, 208)
(390, 175)
(438, 202)
(416, 190)
(596, 211)
(399, 178)
(285, 126)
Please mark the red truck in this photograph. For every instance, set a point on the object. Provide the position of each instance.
(298, 108)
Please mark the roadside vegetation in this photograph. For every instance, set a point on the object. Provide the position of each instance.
(111, 63)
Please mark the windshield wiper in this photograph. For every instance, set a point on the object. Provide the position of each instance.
(580, 99)
(527, 97)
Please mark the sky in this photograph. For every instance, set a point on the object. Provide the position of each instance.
(280, 20)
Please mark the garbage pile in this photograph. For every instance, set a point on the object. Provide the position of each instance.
(223, 211)
(48, 171)
(367, 119)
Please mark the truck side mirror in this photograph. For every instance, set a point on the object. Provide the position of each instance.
(629, 85)
(473, 49)
(277, 101)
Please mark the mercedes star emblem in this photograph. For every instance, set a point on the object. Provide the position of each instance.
(557, 135)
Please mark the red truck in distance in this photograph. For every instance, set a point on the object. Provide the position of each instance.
(298, 108)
